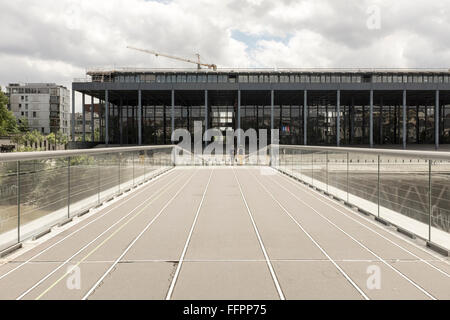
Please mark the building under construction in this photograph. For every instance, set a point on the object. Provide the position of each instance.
(313, 107)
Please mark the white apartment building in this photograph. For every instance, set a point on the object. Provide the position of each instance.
(45, 105)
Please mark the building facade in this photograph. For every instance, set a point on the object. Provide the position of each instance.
(309, 107)
(46, 106)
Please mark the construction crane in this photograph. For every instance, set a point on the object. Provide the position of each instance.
(198, 62)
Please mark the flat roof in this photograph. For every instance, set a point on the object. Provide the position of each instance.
(102, 71)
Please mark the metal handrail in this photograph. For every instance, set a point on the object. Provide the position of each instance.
(426, 155)
(25, 156)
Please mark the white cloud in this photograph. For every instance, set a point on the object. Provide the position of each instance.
(55, 41)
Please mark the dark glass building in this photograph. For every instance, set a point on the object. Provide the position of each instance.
(312, 107)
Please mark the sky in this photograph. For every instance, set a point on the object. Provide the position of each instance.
(58, 40)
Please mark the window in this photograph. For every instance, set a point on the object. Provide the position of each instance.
(284, 79)
(34, 115)
(20, 105)
(253, 79)
(191, 78)
(212, 78)
(304, 78)
(181, 78)
(356, 79)
(346, 79)
(201, 78)
(273, 79)
(335, 79)
(315, 79)
(243, 79)
(223, 78)
(160, 78)
(387, 79)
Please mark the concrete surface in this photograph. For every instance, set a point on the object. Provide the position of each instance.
(226, 233)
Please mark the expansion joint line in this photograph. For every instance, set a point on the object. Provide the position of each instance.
(85, 226)
(346, 276)
(86, 296)
(261, 243)
(183, 254)
(360, 244)
(147, 203)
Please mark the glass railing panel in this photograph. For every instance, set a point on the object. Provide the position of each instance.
(9, 190)
(109, 175)
(363, 181)
(84, 180)
(139, 167)
(306, 166)
(404, 193)
(440, 202)
(320, 170)
(44, 190)
(297, 163)
(337, 174)
(126, 170)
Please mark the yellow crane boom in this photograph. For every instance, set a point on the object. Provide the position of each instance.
(198, 63)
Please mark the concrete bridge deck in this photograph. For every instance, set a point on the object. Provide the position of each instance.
(225, 233)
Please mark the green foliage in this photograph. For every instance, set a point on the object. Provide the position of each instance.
(8, 124)
(61, 138)
(23, 125)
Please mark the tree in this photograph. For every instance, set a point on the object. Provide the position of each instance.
(51, 138)
(8, 124)
(61, 138)
(23, 125)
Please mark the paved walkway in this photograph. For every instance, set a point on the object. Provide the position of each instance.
(224, 233)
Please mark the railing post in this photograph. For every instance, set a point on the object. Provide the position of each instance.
(348, 173)
(379, 185)
(301, 164)
(145, 163)
(132, 159)
(430, 208)
(68, 188)
(98, 179)
(18, 201)
(120, 160)
(312, 168)
(326, 168)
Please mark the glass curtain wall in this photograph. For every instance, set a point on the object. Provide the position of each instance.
(444, 116)
(355, 117)
(288, 117)
(322, 117)
(256, 111)
(420, 117)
